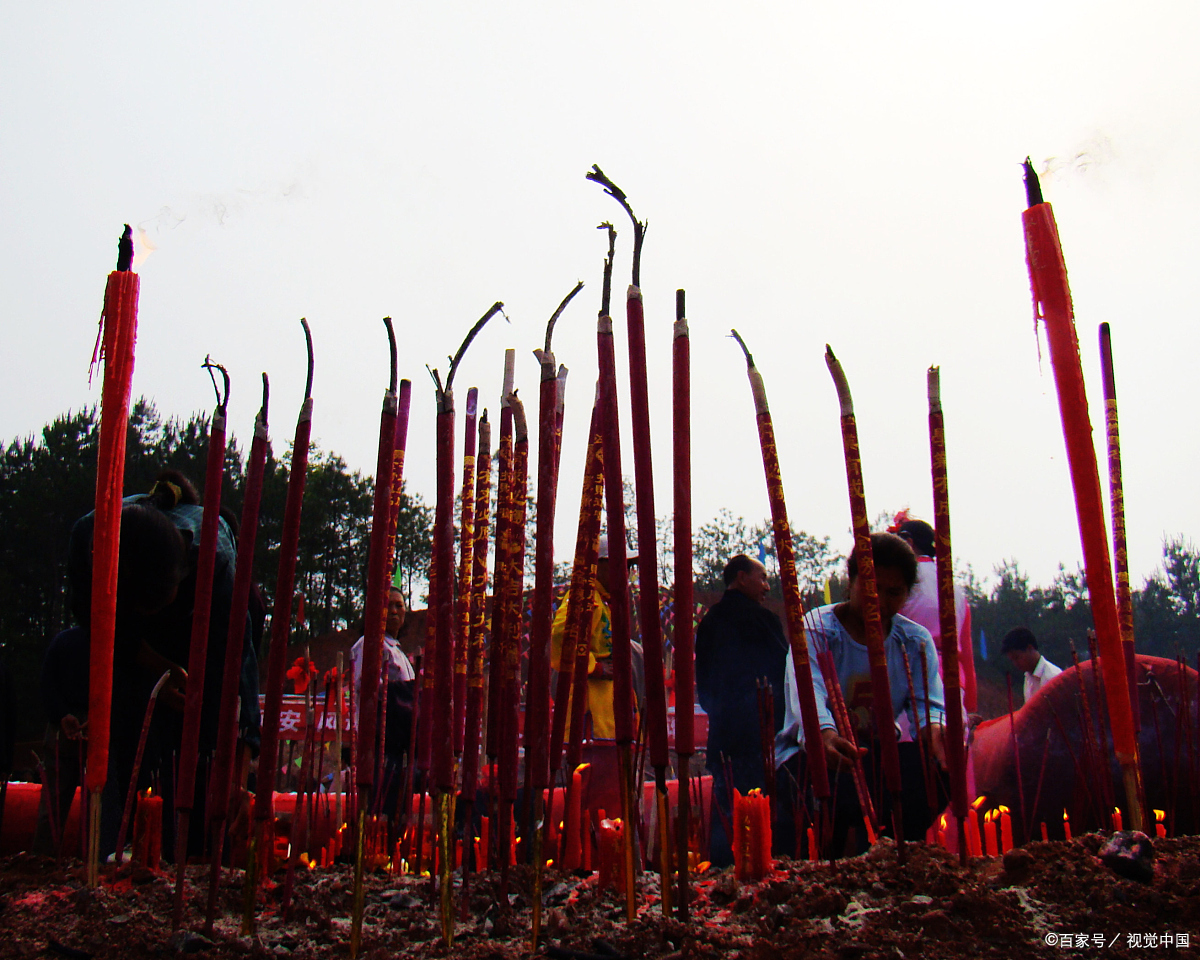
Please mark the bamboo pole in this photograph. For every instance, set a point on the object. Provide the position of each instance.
(614, 499)
(262, 834)
(227, 725)
(374, 615)
(956, 759)
(685, 655)
(1052, 304)
(189, 752)
(643, 473)
(115, 344)
(881, 697)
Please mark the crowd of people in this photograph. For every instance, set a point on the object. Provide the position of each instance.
(743, 660)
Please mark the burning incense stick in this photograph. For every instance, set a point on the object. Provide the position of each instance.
(115, 344)
(643, 473)
(948, 635)
(374, 614)
(614, 499)
(476, 601)
(442, 720)
(537, 697)
(466, 553)
(1116, 491)
(198, 647)
(262, 834)
(684, 640)
(881, 698)
(222, 768)
(1052, 304)
(785, 551)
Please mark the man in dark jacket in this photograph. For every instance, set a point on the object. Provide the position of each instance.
(738, 643)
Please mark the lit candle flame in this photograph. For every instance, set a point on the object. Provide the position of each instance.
(978, 802)
(1160, 815)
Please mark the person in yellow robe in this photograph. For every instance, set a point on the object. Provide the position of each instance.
(599, 663)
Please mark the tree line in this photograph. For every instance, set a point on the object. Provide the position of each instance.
(48, 482)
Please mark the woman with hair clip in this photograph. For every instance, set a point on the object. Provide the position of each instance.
(841, 629)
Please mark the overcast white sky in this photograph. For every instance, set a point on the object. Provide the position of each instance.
(812, 173)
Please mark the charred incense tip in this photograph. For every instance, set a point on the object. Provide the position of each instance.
(125, 250)
(520, 427)
(222, 398)
(266, 403)
(606, 295)
(1106, 363)
(387, 322)
(680, 308)
(596, 175)
(840, 382)
(472, 401)
(1033, 188)
(746, 350)
(558, 313)
(933, 383)
(495, 308)
(308, 344)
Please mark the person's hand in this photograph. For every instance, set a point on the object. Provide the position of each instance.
(935, 740)
(839, 751)
(71, 728)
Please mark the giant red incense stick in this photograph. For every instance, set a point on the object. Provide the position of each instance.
(476, 601)
(1052, 305)
(115, 344)
(956, 759)
(504, 463)
(222, 768)
(881, 697)
(466, 553)
(262, 834)
(509, 651)
(614, 499)
(1116, 493)
(537, 698)
(685, 656)
(576, 638)
(785, 552)
(442, 721)
(643, 474)
(189, 750)
(374, 616)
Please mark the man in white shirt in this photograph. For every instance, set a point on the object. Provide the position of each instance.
(1020, 646)
(396, 664)
(398, 696)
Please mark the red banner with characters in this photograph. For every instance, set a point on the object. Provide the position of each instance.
(293, 724)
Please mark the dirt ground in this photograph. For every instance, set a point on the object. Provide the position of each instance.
(873, 906)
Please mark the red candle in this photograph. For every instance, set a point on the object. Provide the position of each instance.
(989, 834)
(1045, 833)
(572, 846)
(1066, 825)
(1160, 828)
(147, 830)
(485, 836)
(1116, 819)
(751, 835)
(973, 845)
(814, 852)
(1006, 835)
(612, 855)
